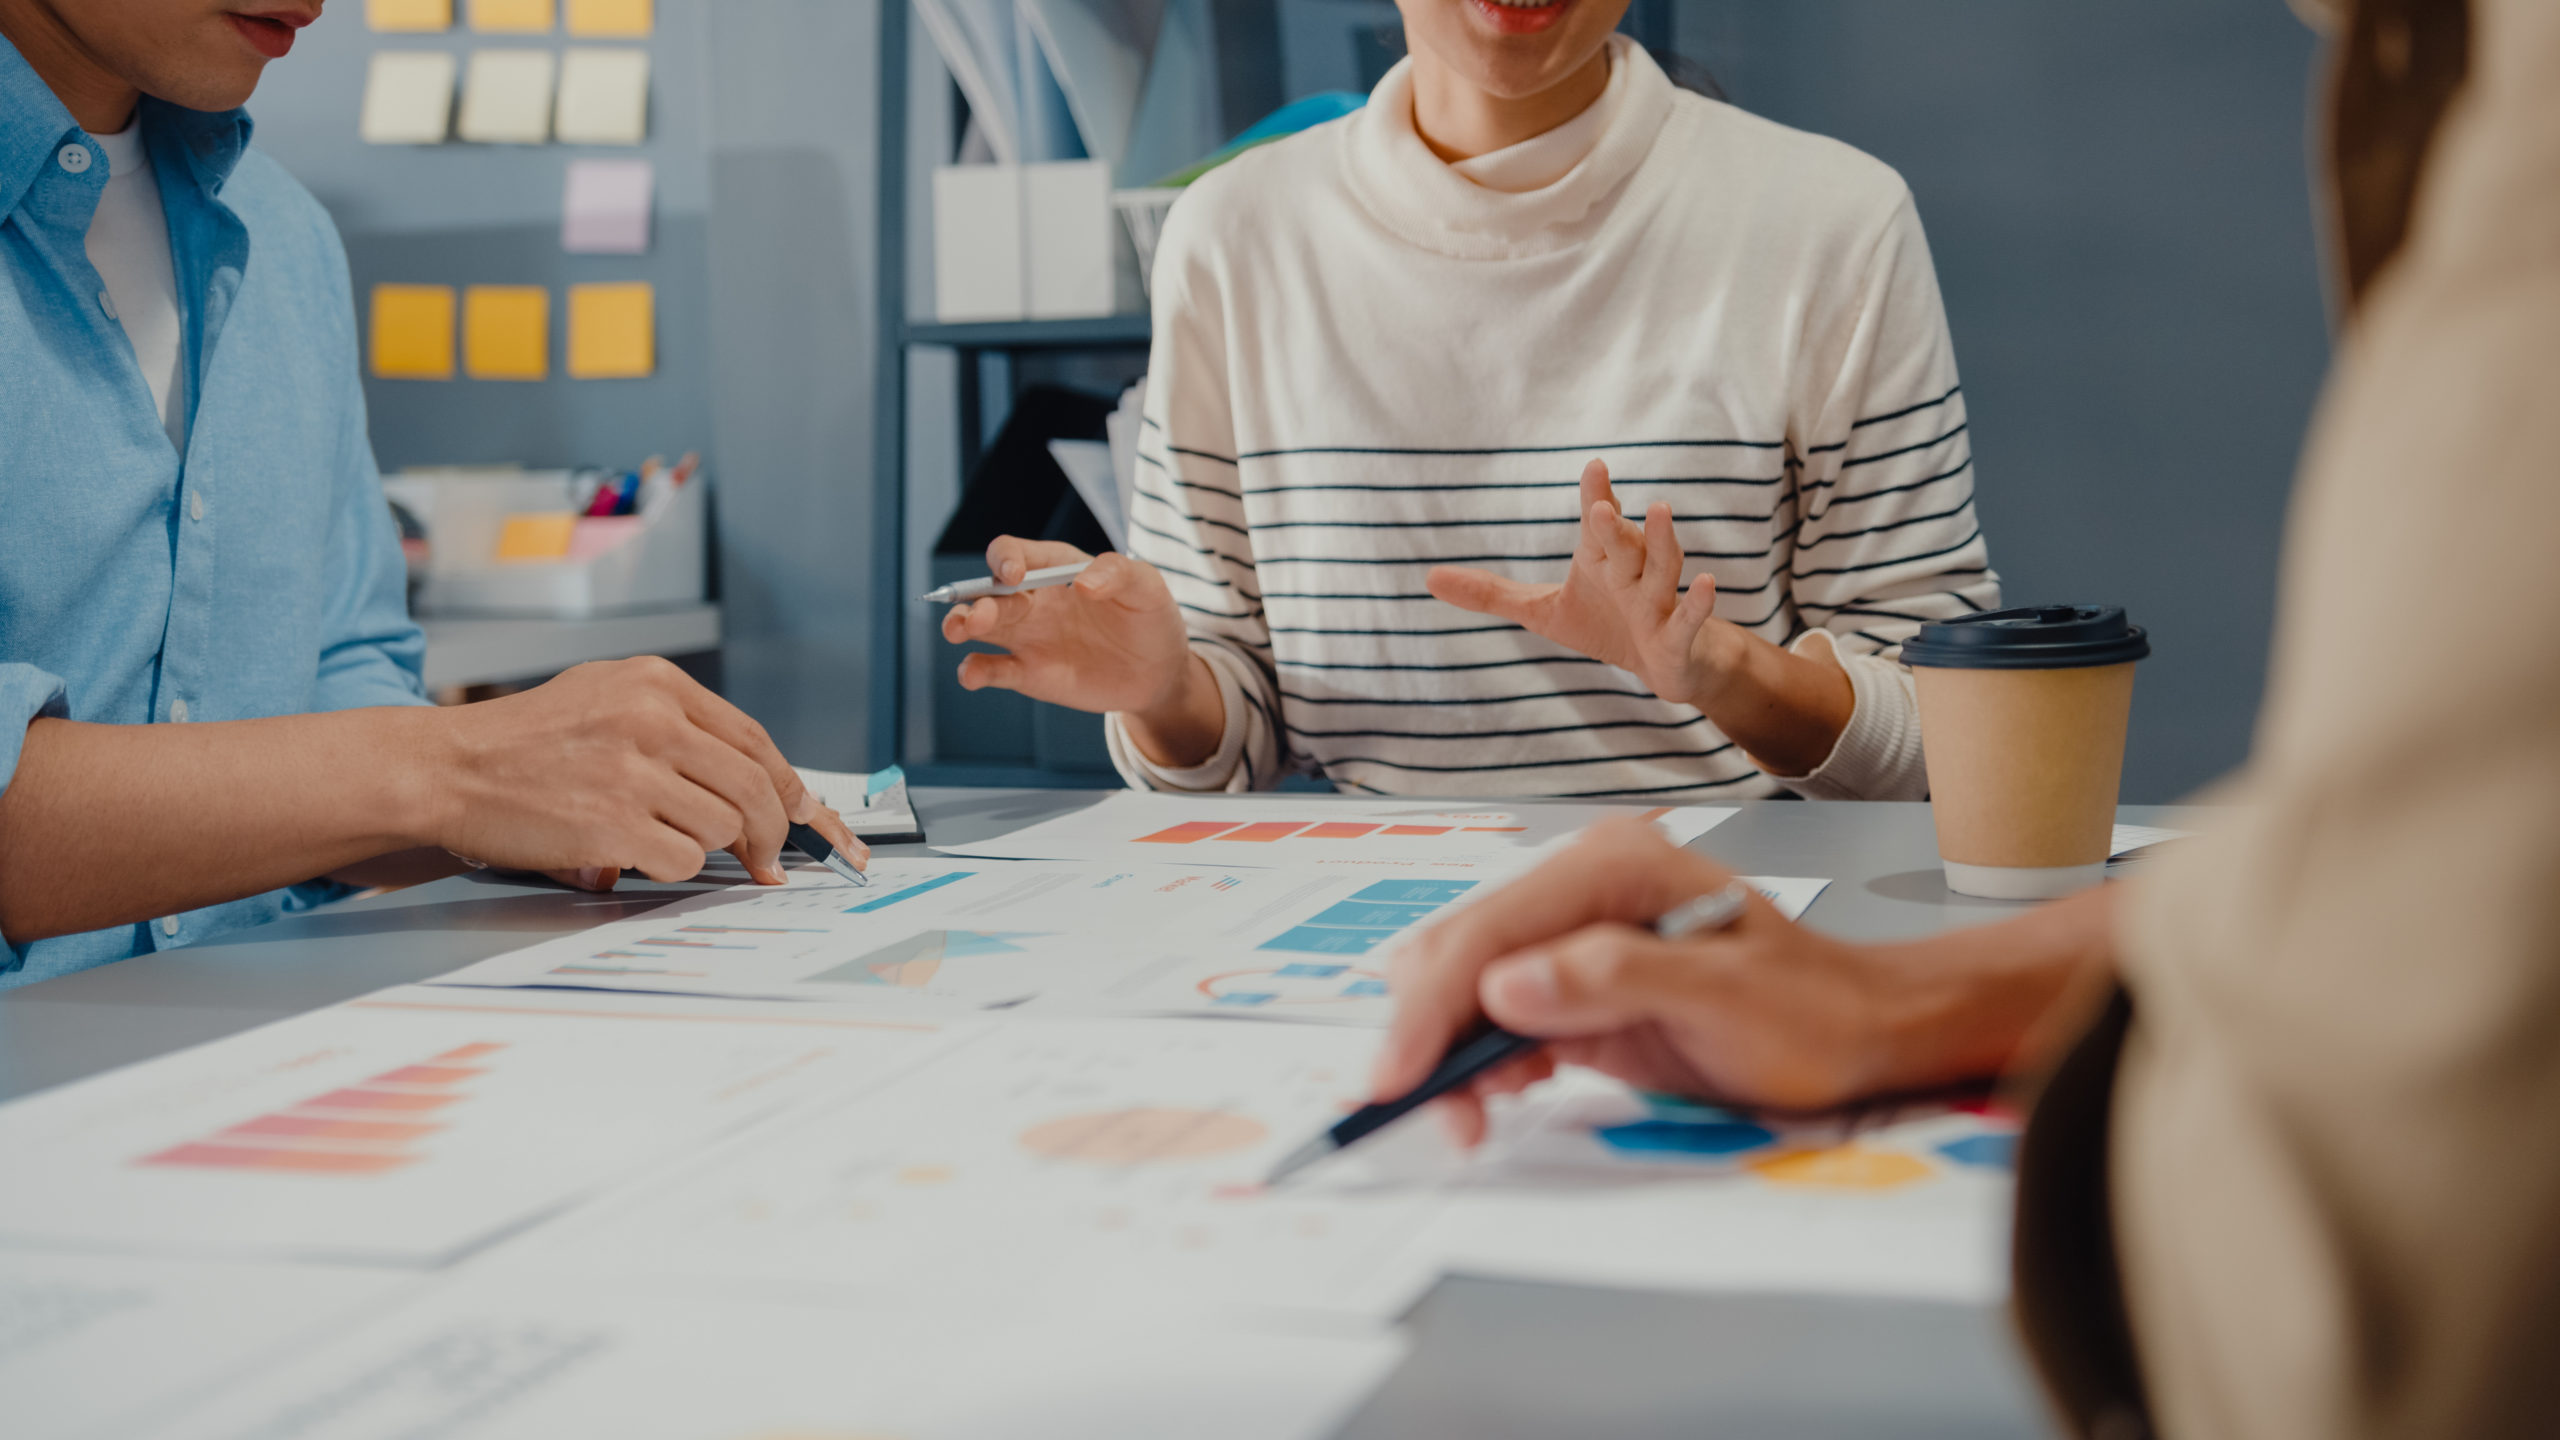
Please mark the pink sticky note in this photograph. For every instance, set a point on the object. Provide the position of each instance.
(606, 210)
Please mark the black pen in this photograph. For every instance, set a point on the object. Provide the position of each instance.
(1488, 1045)
(814, 845)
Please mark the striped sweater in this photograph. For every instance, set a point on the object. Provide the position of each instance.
(1364, 365)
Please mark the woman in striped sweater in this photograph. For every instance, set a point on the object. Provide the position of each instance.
(1384, 348)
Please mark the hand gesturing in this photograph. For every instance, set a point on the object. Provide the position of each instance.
(1620, 603)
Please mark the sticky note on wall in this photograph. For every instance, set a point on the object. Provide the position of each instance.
(408, 97)
(413, 332)
(605, 209)
(631, 18)
(414, 16)
(506, 332)
(612, 331)
(604, 96)
(511, 17)
(506, 97)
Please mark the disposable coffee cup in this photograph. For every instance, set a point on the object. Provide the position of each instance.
(2022, 716)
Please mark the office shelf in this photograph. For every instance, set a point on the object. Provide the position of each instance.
(1108, 330)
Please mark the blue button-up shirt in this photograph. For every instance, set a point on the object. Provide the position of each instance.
(260, 574)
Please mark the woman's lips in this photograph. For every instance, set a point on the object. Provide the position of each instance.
(269, 37)
(1521, 19)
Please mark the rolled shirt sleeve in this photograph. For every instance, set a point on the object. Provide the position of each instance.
(27, 695)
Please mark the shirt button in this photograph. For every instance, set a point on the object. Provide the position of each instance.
(107, 303)
(169, 925)
(195, 506)
(74, 159)
(178, 713)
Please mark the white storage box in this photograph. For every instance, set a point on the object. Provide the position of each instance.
(657, 560)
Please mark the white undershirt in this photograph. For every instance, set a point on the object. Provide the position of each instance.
(129, 244)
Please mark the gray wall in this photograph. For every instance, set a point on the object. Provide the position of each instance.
(763, 128)
(2116, 197)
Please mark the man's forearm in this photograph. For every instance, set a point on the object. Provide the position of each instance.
(112, 824)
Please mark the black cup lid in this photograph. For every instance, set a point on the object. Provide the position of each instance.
(2037, 637)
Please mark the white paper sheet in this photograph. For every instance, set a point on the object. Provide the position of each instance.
(1792, 894)
(407, 1126)
(408, 97)
(940, 936)
(506, 97)
(492, 1359)
(1585, 1182)
(94, 1345)
(2129, 838)
(1061, 1168)
(1141, 828)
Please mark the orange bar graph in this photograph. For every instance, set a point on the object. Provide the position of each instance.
(480, 1051)
(241, 1157)
(353, 1099)
(1418, 829)
(322, 1127)
(1337, 830)
(1266, 830)
(1186, 833)
(427, 1075)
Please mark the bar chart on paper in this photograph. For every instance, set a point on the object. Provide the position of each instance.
(1140, 828)
(396, 1127)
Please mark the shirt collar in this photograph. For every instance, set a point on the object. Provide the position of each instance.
(34, 124)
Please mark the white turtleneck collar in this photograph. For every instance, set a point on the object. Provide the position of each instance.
(1517, 200)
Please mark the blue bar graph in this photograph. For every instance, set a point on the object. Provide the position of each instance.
(911, 892)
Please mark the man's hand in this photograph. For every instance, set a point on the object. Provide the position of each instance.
(1112, 640)
(1765, 1013)
(1620, 603)
(621, 764)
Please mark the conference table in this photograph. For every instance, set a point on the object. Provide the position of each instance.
(1489, 1358)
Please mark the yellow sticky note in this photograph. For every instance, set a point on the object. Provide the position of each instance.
(537, 535)
(506, 332)
(409, 16)
(511, 17)
(612, 331)
(628, 18)
(413, 332)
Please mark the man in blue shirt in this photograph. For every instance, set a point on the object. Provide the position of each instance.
(209, 682)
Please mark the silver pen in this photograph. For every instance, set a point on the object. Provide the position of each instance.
(980, 589)
(809, 842)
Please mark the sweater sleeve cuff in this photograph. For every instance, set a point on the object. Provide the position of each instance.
(27, 694)
(1878, 754)
(1211, 774)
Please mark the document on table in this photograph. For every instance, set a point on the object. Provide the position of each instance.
(96, 1344)
(405, 1127)
(874, 804)
(1584, 1181)
(1060, 1168)
(491, 1358)
(1142, 828)
(2129, 838)
(1307, 941)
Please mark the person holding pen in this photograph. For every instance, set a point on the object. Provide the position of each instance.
(209, 681)
(2292, 1167)
(1540, 429)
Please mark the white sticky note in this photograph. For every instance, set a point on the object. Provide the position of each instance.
(506, 97)
(408, 97)
(606, 208)
(604, 97)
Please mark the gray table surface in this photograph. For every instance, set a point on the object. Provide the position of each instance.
(1491, 1358)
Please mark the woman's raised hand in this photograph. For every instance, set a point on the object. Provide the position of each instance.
(1620, 603)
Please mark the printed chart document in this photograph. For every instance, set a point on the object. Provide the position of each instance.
(1307, 941)
(1139, 828)
(1584, 1181)
(490, 1359)
(402, 1128)
(1062, 1168)
(99, 1344)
